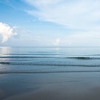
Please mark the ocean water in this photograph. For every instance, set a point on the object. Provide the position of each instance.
(49, 59)
(26, 69)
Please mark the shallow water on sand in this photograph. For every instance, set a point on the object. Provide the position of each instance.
(45, 73)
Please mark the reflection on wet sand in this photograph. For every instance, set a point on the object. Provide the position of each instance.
(68, 86)
(60, 93)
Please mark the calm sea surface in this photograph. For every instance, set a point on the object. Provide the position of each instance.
(49, 60)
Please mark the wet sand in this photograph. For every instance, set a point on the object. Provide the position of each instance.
(55, 86)
(59, 94)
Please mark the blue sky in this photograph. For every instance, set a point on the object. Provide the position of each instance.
(49, 22)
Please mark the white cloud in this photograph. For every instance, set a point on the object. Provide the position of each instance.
(77, 14)
(42, 2)
(81, 15)
(6, 31)
(57, 41)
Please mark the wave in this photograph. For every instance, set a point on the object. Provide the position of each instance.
(22, 57)
(37, 72)
(81, 58)
(30, 54)
(48, 64)
(29, 57)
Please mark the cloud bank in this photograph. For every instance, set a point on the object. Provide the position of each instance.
(74, 14)
(6, 31)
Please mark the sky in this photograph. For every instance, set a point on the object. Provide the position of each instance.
(49, 22)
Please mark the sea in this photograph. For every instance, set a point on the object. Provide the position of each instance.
(49, 59)
(25, 69)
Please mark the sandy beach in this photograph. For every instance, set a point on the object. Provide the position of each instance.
(66, 86)
(59, 94)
